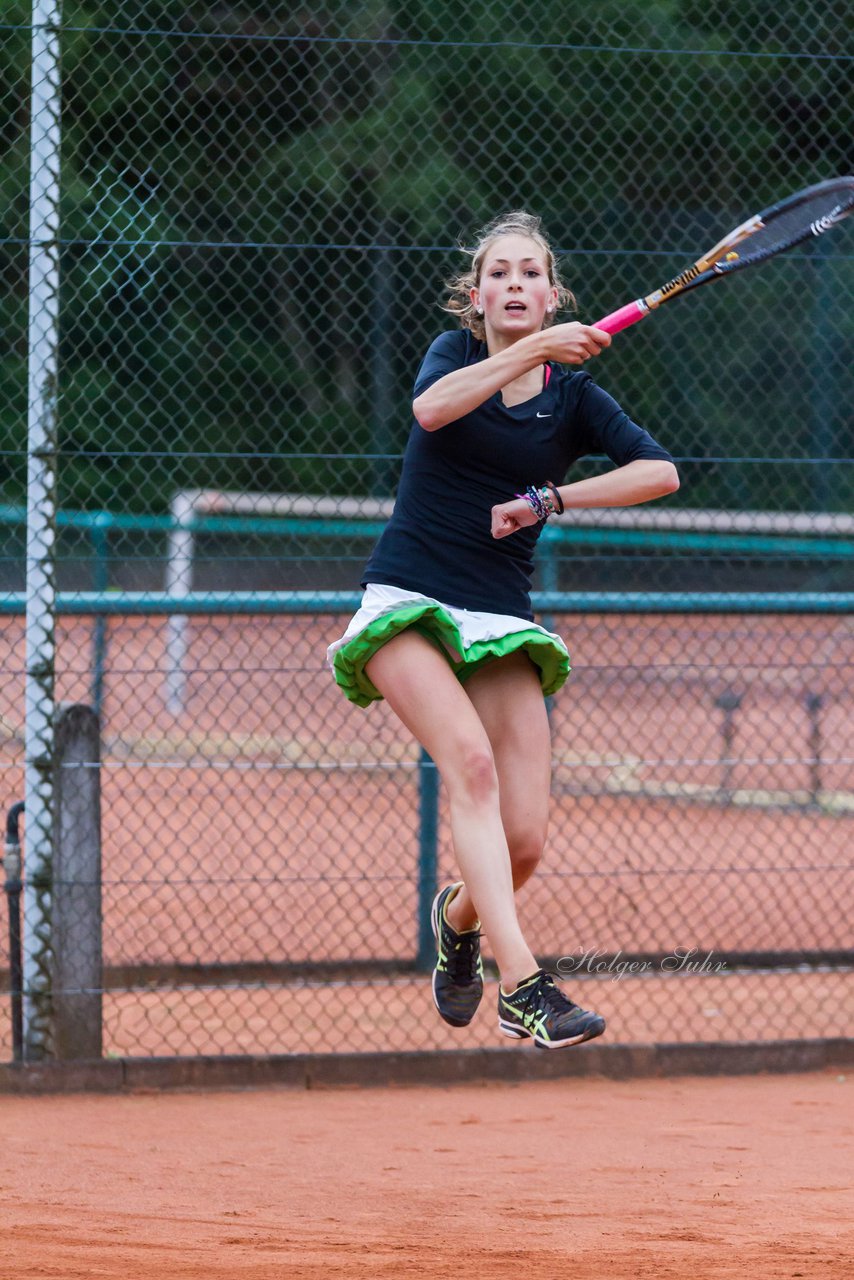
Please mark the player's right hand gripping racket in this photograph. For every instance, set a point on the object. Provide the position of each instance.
(809, 213)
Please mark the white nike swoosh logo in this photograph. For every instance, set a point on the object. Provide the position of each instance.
(543, 415)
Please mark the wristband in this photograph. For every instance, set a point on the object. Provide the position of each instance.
(558, 506)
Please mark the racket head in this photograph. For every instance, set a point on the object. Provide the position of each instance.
(808, 213)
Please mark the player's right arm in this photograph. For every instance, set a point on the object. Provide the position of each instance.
(459, 392)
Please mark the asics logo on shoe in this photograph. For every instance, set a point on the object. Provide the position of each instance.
(539, 1009)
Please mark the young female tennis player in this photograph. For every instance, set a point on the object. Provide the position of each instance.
(445, 632)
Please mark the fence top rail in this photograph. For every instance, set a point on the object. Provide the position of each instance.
(698, 520)
(802, 546)
(191, 506)
(152, 603)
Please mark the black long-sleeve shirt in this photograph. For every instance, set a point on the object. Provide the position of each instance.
(439, 540)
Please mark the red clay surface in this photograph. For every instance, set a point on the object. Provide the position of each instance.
(695, 1179)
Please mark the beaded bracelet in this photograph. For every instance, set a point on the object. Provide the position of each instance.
(536, 501)
(544, 502)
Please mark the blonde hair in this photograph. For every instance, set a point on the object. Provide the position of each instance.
(517, 223)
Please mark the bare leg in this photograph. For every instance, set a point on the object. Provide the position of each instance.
(419, 686)
(509, 702)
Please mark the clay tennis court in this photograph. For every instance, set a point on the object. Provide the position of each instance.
(260, 823)
(712, 1179)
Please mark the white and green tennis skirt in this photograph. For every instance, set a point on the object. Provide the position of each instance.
(468, 639)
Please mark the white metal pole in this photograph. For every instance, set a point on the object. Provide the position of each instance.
(179, 582)
(41, 523)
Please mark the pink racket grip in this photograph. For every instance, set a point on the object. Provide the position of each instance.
(621, 319)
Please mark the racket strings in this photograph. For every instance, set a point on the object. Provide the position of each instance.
(792, 222)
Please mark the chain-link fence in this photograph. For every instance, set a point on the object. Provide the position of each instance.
(244, 218)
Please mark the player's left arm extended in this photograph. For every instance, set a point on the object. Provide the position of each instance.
(638, 481)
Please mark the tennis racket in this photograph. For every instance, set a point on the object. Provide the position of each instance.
(811, 212)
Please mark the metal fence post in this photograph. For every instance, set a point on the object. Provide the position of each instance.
(43, 358)
(101, 581)
(728, 702)
(428, 845)
(179, 582)
(814, 704)
(12, 887)
(77, 973)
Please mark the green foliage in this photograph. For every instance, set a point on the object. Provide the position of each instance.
(227, 171)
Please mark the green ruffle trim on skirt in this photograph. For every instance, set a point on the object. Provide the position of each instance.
(546, 653)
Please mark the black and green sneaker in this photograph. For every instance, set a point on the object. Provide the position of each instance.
(539, 1009)
(458, 976)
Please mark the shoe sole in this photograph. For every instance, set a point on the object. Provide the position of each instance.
(516, 1032)
(434, 925)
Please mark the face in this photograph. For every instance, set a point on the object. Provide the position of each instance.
(514, 288)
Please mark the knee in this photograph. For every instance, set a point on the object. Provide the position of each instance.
(474, 776)
(526, 850)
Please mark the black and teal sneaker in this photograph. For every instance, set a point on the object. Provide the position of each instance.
(539, 1009)
(458, 976)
